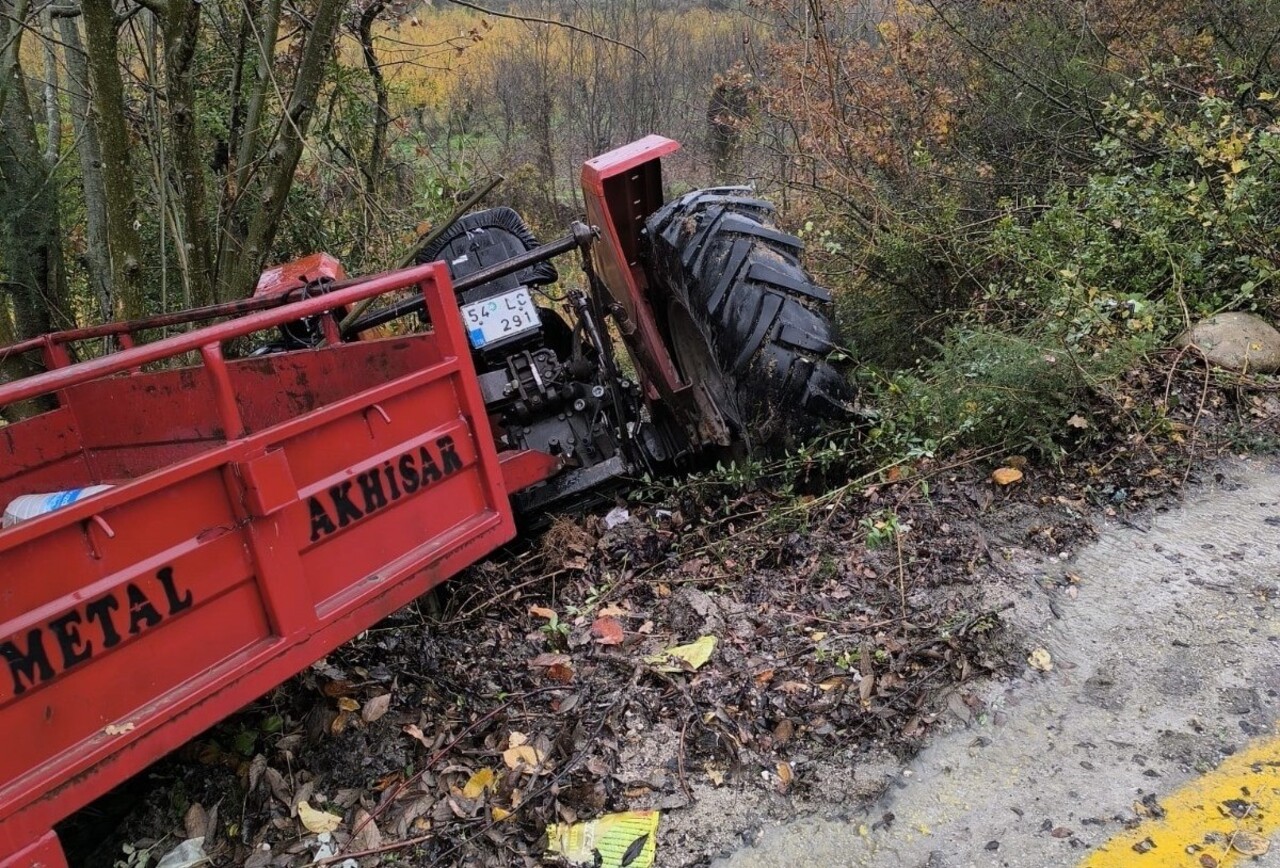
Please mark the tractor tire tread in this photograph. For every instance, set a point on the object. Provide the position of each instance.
(738, 275)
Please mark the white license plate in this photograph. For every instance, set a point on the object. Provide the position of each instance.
(500, 317)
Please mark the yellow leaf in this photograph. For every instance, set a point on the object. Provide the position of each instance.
(525, 754)
(1041, 660)
(1237, 166)
(499, 814)
(477, 784)
(694, 655)
(317, 822)
(346, 703)
(1006, 475)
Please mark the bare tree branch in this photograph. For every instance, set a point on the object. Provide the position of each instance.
(531, 19)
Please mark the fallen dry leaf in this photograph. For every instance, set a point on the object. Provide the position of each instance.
(315, 821)
(560, 672)
(499, 814)
(369, 836)
(346, 703)
(549, 659)
(607, 631)
(1040, 659)
(195, 821)
(524, 754)
(865, 688)
(338, 688)
(544, 612)
(414, 731)
(1006, 475)
(1078, 421)
(1249, 843)
(785, 776)
(375, 708)
(478, 783)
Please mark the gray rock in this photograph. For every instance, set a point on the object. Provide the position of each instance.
(1238, 341)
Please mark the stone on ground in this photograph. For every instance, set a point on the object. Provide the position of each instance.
(1238, 341)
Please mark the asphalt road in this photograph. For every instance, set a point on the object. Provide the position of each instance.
(1150, 743)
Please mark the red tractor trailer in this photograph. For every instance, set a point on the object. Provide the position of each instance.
(209, 520)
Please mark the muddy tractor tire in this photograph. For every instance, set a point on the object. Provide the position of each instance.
(736, 286)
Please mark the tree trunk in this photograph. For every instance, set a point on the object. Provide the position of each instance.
(181, 30)
(97, 260)
(31, 275)
(124, 248)
(282, 159)
(245, 157)
(382, 115)
(247, 152)
(13, 20)
(52, 111)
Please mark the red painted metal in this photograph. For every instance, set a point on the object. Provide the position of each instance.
(299, 273)
(43, 853)
(265, 511)
(622, 188)
(278, 285)
(526, 467)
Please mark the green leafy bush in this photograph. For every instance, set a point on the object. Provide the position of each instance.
(1181, 219)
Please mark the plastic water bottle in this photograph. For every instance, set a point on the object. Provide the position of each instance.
(31, 505)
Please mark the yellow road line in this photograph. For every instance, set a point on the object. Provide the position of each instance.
(1236, 803)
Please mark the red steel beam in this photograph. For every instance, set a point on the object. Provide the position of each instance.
(62, 378)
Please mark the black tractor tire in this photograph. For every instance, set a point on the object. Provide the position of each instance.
(766, 325)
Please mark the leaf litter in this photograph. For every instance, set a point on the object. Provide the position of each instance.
(673, 663)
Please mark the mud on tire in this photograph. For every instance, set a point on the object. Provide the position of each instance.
(723, 259)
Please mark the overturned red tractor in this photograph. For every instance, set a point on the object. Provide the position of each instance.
(204, 531)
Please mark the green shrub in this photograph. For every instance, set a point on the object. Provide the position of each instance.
(1180, 220)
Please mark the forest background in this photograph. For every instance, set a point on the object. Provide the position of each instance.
(1015, 200)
